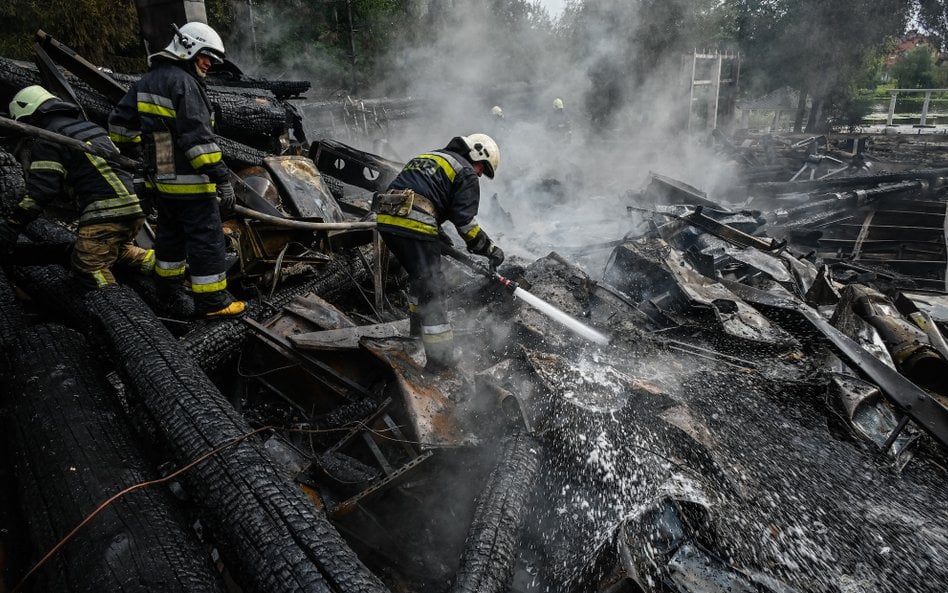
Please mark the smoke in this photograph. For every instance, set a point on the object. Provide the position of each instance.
(617, 66)
(625, 100)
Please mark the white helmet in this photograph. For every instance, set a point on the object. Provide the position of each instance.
(483, 149)
(496, 110)
(192, 39)
(557, 103)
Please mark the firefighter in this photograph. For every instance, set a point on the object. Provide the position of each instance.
(435, 187)
(109, 213)
(498, 123)
(166, 116)
(558, 121)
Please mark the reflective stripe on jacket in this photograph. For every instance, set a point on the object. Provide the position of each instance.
(100, 191)
(449, 182)
(171, 100)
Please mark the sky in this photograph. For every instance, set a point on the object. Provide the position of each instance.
(554, 7)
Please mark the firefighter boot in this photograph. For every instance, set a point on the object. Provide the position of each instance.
(234, 309)
(441, 356)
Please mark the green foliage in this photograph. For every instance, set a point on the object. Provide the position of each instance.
(915, 69)
(103, 31)
(851, 109)
(933, 17)
(821, 48)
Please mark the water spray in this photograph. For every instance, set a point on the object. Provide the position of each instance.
(574, 325)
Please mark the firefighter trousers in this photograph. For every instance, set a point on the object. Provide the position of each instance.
(422, 260)
(190, 237)
(99, 246)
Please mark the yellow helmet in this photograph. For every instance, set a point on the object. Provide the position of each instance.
(28, 100)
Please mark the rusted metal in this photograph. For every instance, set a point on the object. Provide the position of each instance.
(434, 419)
(908, 344)
(319, 370)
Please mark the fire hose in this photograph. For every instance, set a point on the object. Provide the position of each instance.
(574, 325)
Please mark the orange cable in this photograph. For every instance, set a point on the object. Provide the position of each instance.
(129, 490)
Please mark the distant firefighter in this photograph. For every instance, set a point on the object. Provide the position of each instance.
(558, 121)
(498, 123)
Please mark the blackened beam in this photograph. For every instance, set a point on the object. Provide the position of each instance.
(783, 187)
(27, 129)
(283, 345)
(54, 80)
(728, 233)
(909, 398)
(85, 70)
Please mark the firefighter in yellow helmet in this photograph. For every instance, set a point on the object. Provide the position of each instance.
(434, 188)
(558, 121)
(109, 213)
(168, 114)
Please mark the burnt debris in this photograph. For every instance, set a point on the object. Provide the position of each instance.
(766, 410)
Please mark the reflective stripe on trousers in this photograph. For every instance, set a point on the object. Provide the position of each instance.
(422, 260)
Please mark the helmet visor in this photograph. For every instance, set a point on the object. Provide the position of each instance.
(216, 58)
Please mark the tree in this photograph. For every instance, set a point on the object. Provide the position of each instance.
(817, 47)
(915, 69)
(933, 16)
(627, 46)
(103, 31)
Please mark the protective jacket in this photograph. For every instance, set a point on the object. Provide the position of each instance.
(448, 184)
(167, 112)
(100, 192)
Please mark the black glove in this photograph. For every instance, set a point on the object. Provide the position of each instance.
(495, 255)
(9, 232)
(225, 191)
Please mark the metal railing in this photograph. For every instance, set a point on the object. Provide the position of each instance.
(928, 98)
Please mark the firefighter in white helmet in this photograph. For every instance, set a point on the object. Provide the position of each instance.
(434, 188)
(168, 114)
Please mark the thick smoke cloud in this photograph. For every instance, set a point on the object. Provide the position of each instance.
(615, 64)
(623, 92)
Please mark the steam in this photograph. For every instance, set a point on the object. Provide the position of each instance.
(559, 191)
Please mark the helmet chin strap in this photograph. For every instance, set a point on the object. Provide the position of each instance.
(197, 70)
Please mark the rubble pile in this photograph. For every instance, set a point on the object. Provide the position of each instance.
(766, 413)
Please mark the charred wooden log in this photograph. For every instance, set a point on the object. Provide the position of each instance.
(12, 554)
(53, 287)
(73, 450)
(12, 183)
(267, 528)
(214, 343)
(492, 542)
(11, 318)
(229, 75)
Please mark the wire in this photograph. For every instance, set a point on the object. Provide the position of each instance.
(52, 552)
